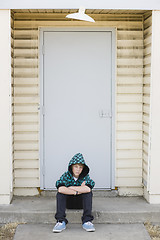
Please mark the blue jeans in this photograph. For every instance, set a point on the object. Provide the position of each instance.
(86, 203)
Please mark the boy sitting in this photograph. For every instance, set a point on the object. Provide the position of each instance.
(72, 184)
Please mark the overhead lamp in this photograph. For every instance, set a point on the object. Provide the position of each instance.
(81, 15)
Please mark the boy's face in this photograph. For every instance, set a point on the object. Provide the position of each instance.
(77, 169)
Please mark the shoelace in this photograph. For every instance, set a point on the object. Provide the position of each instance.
(58, 224)
(89, 223)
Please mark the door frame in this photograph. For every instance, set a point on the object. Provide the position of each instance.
(113, 89)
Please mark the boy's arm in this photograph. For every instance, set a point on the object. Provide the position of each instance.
(66, 190)
(81, 189)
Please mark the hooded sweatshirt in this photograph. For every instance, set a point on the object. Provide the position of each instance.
(67, 179)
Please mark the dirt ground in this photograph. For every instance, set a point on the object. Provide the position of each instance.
(153, 230)
(7, 231)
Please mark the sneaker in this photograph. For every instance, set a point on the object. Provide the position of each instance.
(88, 226)
(59, 227)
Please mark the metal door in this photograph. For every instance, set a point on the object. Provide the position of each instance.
(77, 103)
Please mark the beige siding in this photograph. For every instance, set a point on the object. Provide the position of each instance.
(146, 91)
(129, 89)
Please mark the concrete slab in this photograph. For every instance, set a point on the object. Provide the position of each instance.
(105, 210)
(75, 231)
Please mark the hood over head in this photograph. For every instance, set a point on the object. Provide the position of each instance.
(78, 158)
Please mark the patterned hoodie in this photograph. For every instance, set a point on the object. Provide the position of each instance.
(67, 178)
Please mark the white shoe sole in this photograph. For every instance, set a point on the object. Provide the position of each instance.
(89, 230)
(58, 231)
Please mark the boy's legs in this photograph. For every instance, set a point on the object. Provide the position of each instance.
(87, 207)
(61, 208)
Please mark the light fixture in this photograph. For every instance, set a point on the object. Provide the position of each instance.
(81, 15)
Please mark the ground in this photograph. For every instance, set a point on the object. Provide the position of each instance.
(153, 230)
(7, 231)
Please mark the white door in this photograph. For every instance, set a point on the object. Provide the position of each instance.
(77, 103)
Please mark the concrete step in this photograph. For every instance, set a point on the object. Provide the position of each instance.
(105, 210)
(96, 193)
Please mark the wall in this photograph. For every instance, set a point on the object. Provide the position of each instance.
(146, 93)
(129, 90)
(5, 107)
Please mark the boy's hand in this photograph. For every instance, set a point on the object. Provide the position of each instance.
(83, 184)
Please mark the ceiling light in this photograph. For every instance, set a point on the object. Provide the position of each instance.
(81, 15)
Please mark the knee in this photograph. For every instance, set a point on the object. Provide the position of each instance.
(60, 195)
(89, 194)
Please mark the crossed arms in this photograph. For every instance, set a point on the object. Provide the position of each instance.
(73, 189)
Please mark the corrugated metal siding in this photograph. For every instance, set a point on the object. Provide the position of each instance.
(146, 91)
(129, 89)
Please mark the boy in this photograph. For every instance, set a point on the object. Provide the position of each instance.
(72, 184)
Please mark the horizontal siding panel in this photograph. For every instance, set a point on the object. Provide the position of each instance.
(135, 98)
(129, 80)
(129, 144)
(130, 71)
(146, 108)
(26, 191)
(128, 89)
(147, 60)
(122, 154)
(26, 164)
(26, 63)
(147, 70)
(129, 182)
(146, 80)
(145, 157)
(25, 34)
(26, 136)
(129, 164)
(146, 99)
(32, 53)
(23, 43)
(146, 128)
(26, 146)
(146, 118)
(146, 89)
(130, 62)
(130, 53)
(32, 99)
(25, 72)
(23, 118)
(145, 147)
(129, 126)
(147, 50)
(129, 107)
(130, 43)
(25, 109)
(27, 127)
(129, 135)
(27, 182)
(148, 40)
(147, 31)
(127, 173)
(26, 173)
(26, 90)
(36, 24)
(26, 155)
(129, 117)
(129, 35)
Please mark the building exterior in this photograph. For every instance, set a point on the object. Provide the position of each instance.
(54, 69)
